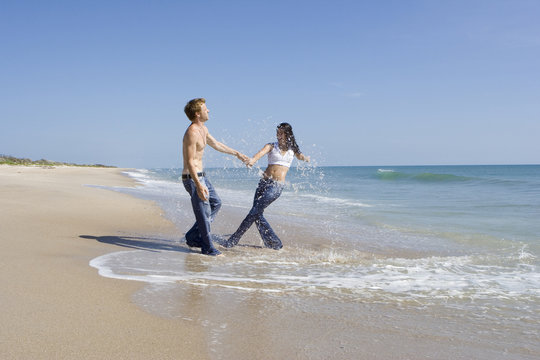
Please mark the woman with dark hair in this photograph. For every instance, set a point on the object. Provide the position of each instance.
(280, 157)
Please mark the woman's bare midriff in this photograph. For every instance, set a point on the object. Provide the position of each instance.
(276, 172)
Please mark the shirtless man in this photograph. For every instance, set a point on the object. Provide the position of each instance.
(204, 199)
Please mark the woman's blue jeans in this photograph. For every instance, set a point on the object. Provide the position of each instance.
(267, 192)
(205, 212)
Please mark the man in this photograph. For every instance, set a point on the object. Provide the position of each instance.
(204, 198)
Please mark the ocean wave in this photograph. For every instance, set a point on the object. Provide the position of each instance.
(391, 175)
(335, 201)
(140, 175)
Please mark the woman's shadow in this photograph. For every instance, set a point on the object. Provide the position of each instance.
(139, 243)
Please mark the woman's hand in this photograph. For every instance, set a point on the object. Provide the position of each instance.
(303, 157)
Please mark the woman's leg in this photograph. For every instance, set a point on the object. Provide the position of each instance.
(250, 218)
(269, 237)
(267, 192)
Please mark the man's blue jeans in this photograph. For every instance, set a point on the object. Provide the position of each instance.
(205, 212)
(267, 192)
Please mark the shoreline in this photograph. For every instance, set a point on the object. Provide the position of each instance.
(54, 304)
(317, 298)
(252, 303)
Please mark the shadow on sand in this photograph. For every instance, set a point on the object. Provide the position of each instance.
(139, 243)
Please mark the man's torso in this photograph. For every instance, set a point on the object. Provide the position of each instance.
(197, 134)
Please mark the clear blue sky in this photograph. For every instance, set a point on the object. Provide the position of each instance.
(362, 82)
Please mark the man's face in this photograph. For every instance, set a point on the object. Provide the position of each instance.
(203, 114)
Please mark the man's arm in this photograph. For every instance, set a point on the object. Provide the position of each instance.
(219, 146)
(190, 154)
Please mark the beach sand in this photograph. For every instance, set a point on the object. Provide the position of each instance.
(54, 221)
(54, 305)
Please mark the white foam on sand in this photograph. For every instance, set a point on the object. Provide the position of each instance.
(329, 274)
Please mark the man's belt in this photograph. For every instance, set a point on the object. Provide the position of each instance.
(188, 176)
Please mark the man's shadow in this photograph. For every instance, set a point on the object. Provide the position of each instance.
(139, 243)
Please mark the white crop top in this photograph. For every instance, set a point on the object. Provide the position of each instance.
(275, 157)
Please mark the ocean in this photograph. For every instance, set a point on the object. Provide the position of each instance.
(452, 251)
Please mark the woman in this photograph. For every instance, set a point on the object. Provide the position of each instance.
(280, 157)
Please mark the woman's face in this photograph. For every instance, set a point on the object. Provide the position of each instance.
(281, 135)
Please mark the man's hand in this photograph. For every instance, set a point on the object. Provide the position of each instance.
(251, 162)
(202, 191)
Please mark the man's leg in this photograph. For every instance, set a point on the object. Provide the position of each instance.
(202, 212)
(213, 199)
(193, 236)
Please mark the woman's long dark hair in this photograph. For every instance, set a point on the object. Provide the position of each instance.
(291, 141)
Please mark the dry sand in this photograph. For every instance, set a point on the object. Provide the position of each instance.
(54, 305)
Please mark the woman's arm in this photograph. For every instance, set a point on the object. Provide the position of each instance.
(265, 150)
(302, 157)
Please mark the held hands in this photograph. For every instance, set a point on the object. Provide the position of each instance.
(243, 158)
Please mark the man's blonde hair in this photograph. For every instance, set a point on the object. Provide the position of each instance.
(193, 107)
